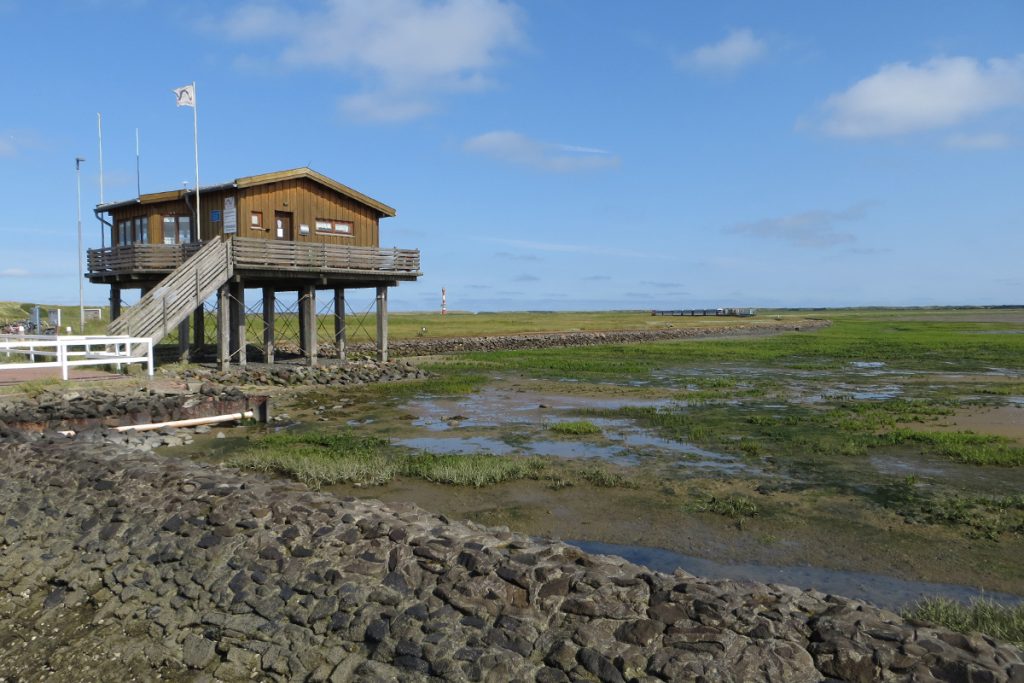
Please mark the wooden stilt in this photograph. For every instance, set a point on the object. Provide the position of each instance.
(115, 302)
(382, 324)
(308, 307)
(303, 345)
(268, 324)
(240, 305)
(183, 340)
(199, 328)
(339, 322)
(223, 326)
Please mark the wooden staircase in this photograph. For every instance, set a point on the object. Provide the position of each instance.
(178, 294)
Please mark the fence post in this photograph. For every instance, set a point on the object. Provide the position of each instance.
(149, 353)
(62, 358)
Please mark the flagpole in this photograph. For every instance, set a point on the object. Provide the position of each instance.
(99, 131)
(138, 174)
(195, 134)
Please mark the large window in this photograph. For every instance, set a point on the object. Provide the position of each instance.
(177, 229)
(333, 227)
(123, 233)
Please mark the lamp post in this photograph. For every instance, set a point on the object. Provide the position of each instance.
(81, 279)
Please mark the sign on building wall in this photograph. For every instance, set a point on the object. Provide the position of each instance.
(230, 216)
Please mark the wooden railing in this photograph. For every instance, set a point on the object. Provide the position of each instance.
(178, 294)
(136, 258)
(302, 256)
(248, 253)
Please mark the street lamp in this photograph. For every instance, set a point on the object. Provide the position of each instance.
(81, 279)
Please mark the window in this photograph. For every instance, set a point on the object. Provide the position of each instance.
(333, 227)
(184, 229)
(256, 220)
(140, 235)
(122, 233)
(177, 229)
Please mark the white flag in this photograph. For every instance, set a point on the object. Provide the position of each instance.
(186, 95)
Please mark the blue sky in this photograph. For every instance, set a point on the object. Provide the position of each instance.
(557, 154)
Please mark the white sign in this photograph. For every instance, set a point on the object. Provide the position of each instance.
(230, 216)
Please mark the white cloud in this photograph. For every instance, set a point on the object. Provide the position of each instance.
(385, 107)
(815, 229)
(14, 272)
(737, 50)
(979, 141)
(903, 98)
(7, 147)
(412, 51)
(516, 148)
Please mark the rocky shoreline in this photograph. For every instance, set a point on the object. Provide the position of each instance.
(120, 564)
(427, 346)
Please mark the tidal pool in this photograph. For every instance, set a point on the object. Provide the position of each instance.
(877, 589)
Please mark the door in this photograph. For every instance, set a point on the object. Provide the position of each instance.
(282, 225)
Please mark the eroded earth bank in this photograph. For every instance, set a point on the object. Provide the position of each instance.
(120, 564)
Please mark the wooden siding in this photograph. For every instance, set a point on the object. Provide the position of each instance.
(304, 199)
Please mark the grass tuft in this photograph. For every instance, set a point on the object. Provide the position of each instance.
(981, 616)
(966, 447)
(578, 428)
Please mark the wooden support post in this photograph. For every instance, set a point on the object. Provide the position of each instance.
(199, 328)
(232, 321)
(115, 302)
(339, 322)
(303, 345)
(240, 304)
(268, 324)
(307, 306)
(183, 340)
(223, 326)
(382, 324)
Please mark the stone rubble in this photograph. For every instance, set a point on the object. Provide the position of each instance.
(427, 346)
(121, 564)
(72, 409)
(291, 374)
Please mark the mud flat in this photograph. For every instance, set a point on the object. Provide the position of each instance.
(120, 564)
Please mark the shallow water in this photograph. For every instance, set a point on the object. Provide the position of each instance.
(493, 407)
(880, 590)
(483, 444)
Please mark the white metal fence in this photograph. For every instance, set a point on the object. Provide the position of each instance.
(26, 351)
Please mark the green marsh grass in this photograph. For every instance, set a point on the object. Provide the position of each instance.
(320, 459)
(982, 516)
(447, 384)
(917, 344)
(997, 621)
(966, 447)
(575, 428)
(733, 507)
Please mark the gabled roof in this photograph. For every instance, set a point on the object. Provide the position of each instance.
(254, 180)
